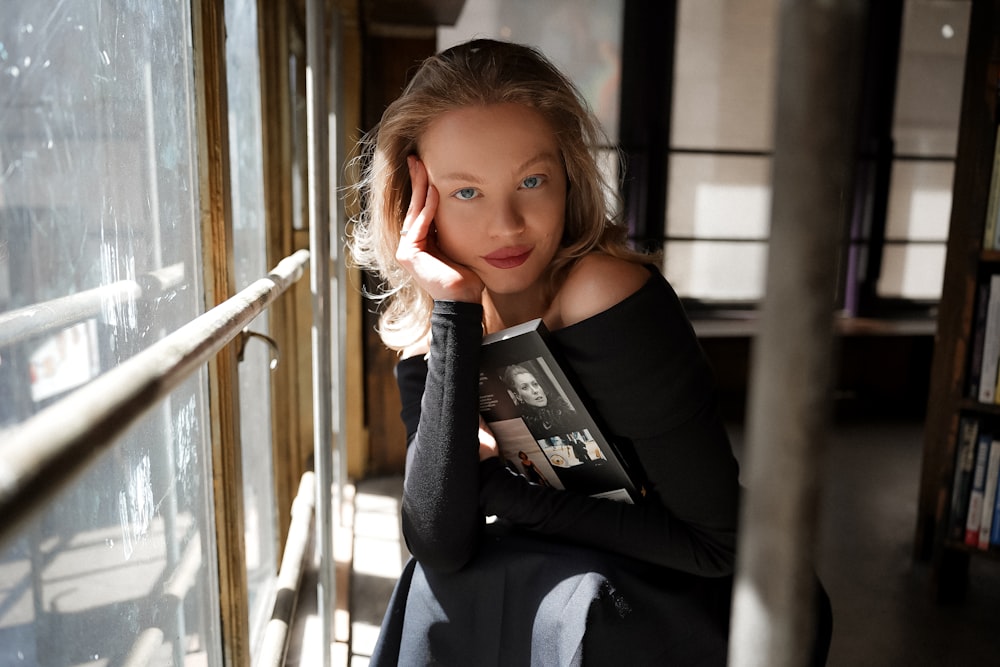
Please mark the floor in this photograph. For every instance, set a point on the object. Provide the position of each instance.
(883, 614)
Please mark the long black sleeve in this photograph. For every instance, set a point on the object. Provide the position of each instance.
(687, 522)
(441, 518)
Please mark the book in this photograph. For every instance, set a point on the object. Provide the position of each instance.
(989, 494)
(965, 461)
(996, 389)
(990, 228)
(544, 425)
(978, 339)
(978, 491)
(991, 344)
(994, 539)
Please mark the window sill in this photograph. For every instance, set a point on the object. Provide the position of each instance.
(747, 324)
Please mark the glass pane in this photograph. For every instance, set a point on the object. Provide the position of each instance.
(715, 196)
(121, 563)
(929, 85)
(919, 200)
(717, 271)
(249, 252)
(98, 208)
(300, 141)
(724, 74)
(582, 37)
(912, 271)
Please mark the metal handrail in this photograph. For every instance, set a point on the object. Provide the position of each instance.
(294, 561)
(44, 453)
(175, 591)
(46, 317)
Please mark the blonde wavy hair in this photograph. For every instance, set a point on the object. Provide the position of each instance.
(477, 73)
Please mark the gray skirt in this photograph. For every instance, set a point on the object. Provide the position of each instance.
(529, 601)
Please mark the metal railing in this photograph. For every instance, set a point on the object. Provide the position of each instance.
(40, 456)
(294, 561)
(54, 315)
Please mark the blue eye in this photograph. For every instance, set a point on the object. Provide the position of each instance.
(465, 194)
(532, 182)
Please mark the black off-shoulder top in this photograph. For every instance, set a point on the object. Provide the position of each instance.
(642, 368)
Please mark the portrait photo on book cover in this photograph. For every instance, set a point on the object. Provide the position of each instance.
(539, 398)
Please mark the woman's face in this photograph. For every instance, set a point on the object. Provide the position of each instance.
(529, 390)
(502, 190)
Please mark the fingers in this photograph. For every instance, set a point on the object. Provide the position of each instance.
(418, 252)
(487, 441)
(421, 226)
(423, 204)
(418, 184)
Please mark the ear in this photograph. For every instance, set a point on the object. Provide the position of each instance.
(514, 397)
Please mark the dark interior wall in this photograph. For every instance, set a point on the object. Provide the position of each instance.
(388, 63)
(875, 376)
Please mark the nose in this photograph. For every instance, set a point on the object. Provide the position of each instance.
(507, 219)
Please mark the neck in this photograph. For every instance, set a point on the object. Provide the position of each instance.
(507, 310)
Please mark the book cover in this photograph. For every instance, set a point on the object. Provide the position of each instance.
(989, 494)
(976, 495)
(965, 460)
(542, 422)
(991, 344)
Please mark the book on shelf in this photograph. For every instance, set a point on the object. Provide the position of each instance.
(961, 486)
(991, 230)
(989, 494)
(991, 344)
(978, 338)
(994, 537)
(543, 423)
(996, 388)
(977, 493)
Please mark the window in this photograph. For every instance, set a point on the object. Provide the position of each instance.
(925, 137)
(719, 190)
(720, 78)
(246, 171)
(99, 233)
(115, 227)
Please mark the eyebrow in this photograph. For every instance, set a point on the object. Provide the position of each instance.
(541, 156)
(468, 177)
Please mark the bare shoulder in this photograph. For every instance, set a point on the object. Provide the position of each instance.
(596, 283)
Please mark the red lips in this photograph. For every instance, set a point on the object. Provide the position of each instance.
(508, 258)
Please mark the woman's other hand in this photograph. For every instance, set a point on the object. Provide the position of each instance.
(487, 442)
(418, 251)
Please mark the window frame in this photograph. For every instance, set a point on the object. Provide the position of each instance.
(646, 101)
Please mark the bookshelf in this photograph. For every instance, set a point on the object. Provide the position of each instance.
(969, 261)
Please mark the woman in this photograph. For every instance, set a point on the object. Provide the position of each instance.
(531, 470)
(484, 209)
(542, 414)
